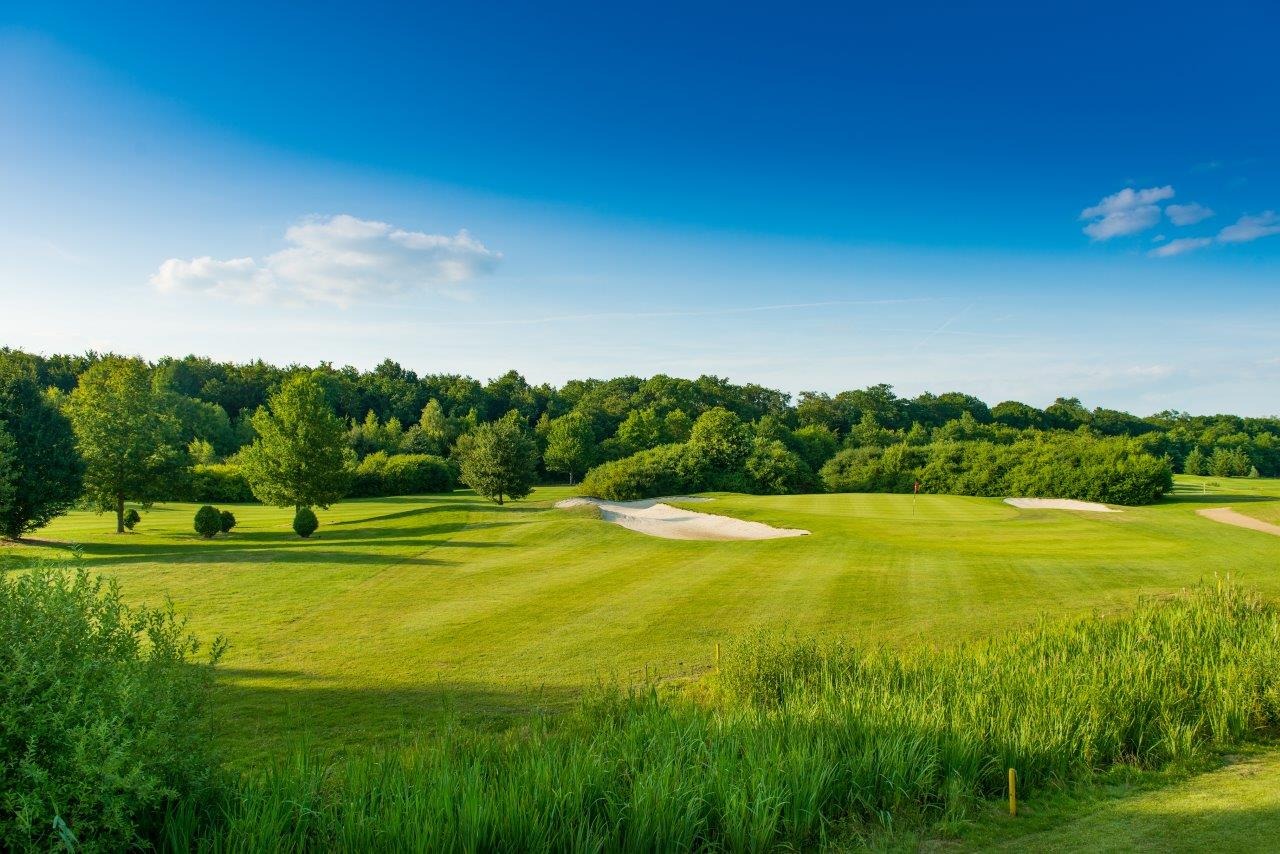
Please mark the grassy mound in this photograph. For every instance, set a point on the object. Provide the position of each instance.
(794, 741)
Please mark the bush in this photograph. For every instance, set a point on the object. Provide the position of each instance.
(381, 474)
(221, 483)
(305, 522)
(103, 716)
(227, 521)
(208, 521)
(774, 470)
(131, 519)
(664, 470)
(1109, 470)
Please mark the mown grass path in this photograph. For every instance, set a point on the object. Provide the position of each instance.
(401, 610)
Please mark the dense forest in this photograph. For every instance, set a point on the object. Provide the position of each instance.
(197, 429)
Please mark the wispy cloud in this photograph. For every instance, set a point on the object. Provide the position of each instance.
(1187, 214)
(1126, 212)
(1251, 227)
(1180, 246)
(339, 260)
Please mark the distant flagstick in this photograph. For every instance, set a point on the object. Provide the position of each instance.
(914, 492)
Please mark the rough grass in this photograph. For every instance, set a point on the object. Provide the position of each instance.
(801, 744)
(405, 612)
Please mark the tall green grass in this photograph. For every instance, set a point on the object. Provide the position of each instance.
(792, 741)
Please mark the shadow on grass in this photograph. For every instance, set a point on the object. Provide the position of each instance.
(268, 712)
(331, 544)
(1217, 498)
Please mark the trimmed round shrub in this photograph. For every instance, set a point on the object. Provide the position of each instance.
(104, 714)
(208, 521)
(131, 519)
(305, 522)
(228, 521)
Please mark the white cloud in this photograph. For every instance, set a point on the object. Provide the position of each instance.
(1126, 212)
(1251, 227)
(1179, 246)
(239, 279)
(1127, 199)
(1187, 214)
(340, 260)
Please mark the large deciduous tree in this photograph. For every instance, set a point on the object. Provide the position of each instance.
(300, 458)
(44, 471)
(498, 458)
(571, 444)
(127, 435)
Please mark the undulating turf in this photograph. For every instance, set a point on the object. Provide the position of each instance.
(403, 609)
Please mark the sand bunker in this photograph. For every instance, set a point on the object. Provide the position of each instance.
(657, 519)
(1059, 504)
(1231, 517)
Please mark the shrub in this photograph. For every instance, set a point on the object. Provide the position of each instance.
(103, 715)
(305, 522)
(131, 519)
(1110, 470)
(208, 521)
(774, 470)
(664, 470)
(227, 521)
(381, 474)
(221, 483)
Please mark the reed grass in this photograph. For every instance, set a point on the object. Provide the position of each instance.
(791, 742)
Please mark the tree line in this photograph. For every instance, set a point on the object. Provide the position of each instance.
(101, 430)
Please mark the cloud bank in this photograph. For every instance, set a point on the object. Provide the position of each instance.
(339, 260)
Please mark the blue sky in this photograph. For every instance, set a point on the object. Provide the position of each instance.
(1019, 202)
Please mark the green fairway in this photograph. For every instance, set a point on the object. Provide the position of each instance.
(402, 610)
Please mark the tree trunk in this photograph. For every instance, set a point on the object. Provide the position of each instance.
(119, 514)
(571, 478)
(499, 499)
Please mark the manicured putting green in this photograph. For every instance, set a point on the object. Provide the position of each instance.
(402, 610)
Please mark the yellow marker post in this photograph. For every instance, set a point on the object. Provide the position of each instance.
(1013, 792)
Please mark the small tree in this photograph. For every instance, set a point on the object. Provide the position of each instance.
(127, 436)
(641, 430)
(208, 521)
(305, 522)
(720, 440)
(44, 471)
(571, 444)
(498, 459)
(227, 520)
(1195, 462)
(131, 519)
(300, 457)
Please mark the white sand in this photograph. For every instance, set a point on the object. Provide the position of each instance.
(1231, 517)
(1059, 504)
(657, 519)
